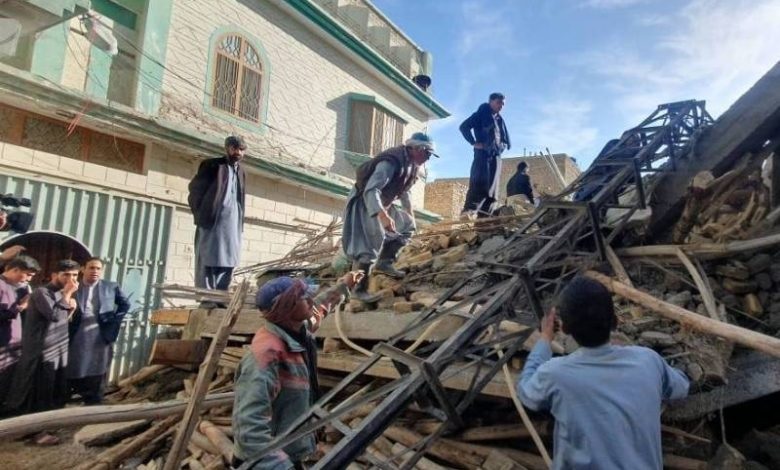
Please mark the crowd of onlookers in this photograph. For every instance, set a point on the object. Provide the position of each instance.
(56, 340)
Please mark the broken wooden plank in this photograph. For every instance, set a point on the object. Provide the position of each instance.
(694, 321)
(205, 374)
(170, 316)
(178, 351)
(141, 375)
(496, 432)
(456, 379)
(106, 433)
(112, 457)
(79, 416)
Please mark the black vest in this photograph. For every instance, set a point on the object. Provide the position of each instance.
(404, 174)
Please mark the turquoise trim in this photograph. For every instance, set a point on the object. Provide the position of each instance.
(156, 25)
(99, 71)
(266, 81)
(319, 17)
(380, 103)
(356, 159)
(115, 12)
(48, 57)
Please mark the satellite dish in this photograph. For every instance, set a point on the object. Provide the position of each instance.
(100, 35)
(10, 31)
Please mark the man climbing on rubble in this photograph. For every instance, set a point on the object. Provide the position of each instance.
(216, 200)
(277, 381)
(373, 226)
(606, 399)
(486, 132)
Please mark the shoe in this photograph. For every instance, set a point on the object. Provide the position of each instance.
(360, 291)
(385, 266)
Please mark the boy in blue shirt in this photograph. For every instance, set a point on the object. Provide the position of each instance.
(606, 399)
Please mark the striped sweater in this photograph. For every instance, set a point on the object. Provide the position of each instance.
(273, 388)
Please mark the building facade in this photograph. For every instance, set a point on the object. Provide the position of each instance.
(446, 196)
(107, 107)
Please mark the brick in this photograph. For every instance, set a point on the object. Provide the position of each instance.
(14, 153)
(94, 172)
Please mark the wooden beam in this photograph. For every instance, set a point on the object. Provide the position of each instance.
(178, 351)
(170, 316)
(114, 456)
(207, 370)
(79, 416)
(692, 320)
(460, 380)
(701, 250)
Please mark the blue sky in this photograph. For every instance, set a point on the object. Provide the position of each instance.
(577, 73)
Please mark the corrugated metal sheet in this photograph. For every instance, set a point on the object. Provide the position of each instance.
(130, 235)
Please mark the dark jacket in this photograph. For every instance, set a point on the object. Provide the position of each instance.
(406, 173)
(112, 305)
(207, 190)
(520, 183)
(483, 127)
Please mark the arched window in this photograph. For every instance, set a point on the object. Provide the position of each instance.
(238, 78)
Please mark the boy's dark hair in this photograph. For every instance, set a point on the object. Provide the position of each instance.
(522, 166)
(586, 311)
(496, 96)
(67, 265)
(23, 263)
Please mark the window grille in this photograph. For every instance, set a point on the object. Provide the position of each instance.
(238, 78)
(372, 129)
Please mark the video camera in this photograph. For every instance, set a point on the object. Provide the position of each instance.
(12, 217)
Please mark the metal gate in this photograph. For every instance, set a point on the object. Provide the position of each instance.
(130, 235)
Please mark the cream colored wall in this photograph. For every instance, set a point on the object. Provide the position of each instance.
(309, 84)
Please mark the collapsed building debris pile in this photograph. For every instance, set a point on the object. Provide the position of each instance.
(424, 378)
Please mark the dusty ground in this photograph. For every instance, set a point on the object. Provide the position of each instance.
(23, 454)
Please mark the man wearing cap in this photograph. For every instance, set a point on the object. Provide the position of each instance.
(374, 228)
(486, 132)
(216, 200)
(277, 381)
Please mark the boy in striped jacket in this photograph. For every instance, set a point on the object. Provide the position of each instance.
(277, 381)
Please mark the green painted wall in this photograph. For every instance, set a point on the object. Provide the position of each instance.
(154, 30)
(48, 55)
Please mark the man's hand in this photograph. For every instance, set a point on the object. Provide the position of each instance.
(352, 279)
(548, 325)
(387, 222)
(70, 288)
(12, 252)
(3, 219)
(22, 303)
(478, 146)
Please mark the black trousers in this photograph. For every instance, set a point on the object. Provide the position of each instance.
(479, 196)
(90, 388)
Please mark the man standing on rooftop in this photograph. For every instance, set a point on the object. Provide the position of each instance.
(486, 131)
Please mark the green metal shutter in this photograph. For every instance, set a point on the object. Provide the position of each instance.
(130, 235)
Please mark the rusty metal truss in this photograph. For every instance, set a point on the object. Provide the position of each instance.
(514, 284)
